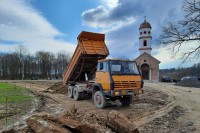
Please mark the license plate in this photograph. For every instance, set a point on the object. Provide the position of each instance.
(130, 93)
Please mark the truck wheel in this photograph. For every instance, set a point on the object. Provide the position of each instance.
(126, 101)
(77, 95)
(99, 100)
(70, 92)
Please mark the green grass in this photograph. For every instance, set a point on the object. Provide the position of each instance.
(13, 94)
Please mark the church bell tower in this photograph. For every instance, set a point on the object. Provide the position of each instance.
(145, 38)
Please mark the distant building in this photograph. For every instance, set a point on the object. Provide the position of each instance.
(148, 65)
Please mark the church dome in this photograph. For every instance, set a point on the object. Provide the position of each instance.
(145, 24)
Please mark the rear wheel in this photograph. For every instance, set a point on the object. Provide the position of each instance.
(70, 91)
(77, 95)
(126, 100)
(99, 100)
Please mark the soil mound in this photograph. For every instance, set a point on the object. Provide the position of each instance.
(46, 123)
(57, 88)
(76, 122)
(112, 121)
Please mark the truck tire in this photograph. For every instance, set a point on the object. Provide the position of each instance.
(70, 92)
(99, 100)
(77, 95)
(126, 100)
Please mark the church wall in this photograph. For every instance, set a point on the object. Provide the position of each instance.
(154, 66)
(155, 73)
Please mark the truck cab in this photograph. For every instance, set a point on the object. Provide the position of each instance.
(116, 79)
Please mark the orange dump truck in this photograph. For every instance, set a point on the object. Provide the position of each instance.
(90, 73)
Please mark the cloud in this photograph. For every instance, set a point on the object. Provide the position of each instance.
(96, 17)
(169, 60)
(125, 10)
(110, 3)
(20, 22)
(121, 23)
(111, 14)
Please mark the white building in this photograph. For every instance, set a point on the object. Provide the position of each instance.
(148, 65)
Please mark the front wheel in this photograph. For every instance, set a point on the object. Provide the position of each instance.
(99, 100)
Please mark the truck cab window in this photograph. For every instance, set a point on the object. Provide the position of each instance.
(123, 68)
(102, 66)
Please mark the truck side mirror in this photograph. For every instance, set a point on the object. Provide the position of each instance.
(101, 66)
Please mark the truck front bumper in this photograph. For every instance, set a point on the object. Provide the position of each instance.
(119, 93)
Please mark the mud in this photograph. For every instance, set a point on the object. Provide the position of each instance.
(114, 121)
(57, 88)
(58, 113)
(49, 105)
(169, 123)
(17, 112)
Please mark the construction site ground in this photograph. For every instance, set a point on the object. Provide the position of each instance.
(163, 107)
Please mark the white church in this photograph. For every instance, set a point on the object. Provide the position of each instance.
(148, 65)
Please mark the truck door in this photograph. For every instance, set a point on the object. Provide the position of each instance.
(102, 75)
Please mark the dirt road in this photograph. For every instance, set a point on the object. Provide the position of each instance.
(143, 105)
(162, 108)
(188, 98)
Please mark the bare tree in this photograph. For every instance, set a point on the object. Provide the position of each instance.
(21, 65)
(29, 66)
(9, 66)
(1, 71)
(45, 61)
(21, 53)
(185, 31)
(63, 60)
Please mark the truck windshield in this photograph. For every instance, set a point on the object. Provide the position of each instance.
(123, 67)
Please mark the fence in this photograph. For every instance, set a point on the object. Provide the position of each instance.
(15, 103)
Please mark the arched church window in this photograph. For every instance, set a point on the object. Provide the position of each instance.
(140, 33)
(145, 32)
(145, 43)
(149, 32)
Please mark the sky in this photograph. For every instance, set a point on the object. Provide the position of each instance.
(53, 25)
